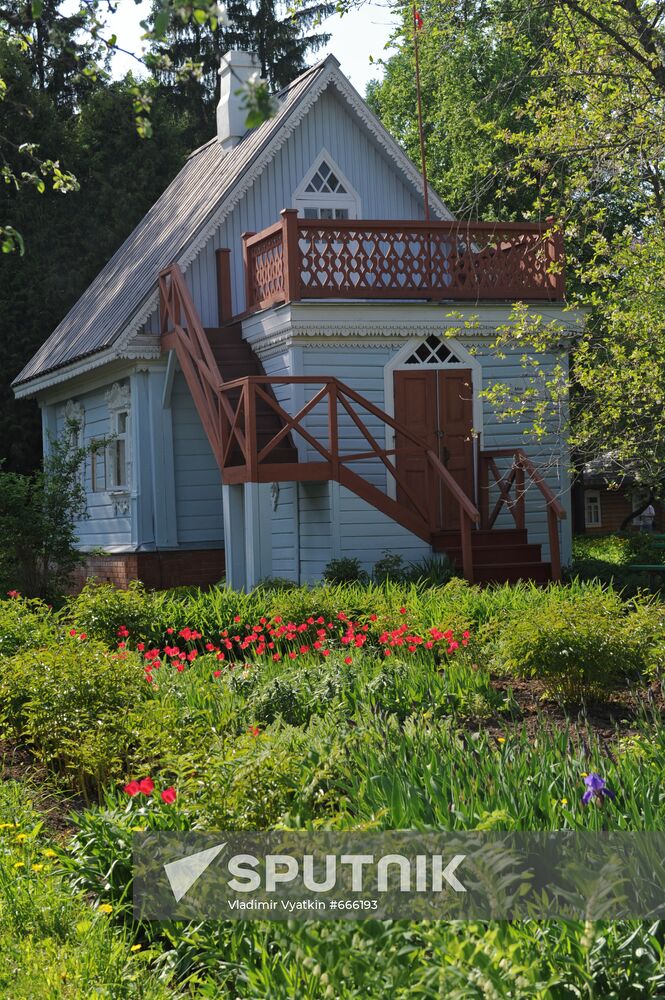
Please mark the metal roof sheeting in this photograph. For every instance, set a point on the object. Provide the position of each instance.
(186, 207)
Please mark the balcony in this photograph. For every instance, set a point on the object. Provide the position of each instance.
(298, 259)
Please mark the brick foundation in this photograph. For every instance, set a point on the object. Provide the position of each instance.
(157, 570)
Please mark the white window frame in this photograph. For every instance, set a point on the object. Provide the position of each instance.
(595, 495)
(97, 462)
(303, 199)
(118, 400)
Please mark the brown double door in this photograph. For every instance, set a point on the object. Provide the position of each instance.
(436, 406)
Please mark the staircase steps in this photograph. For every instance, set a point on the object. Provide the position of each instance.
(499, 555)
(236, 359)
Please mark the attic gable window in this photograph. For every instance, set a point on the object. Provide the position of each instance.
(325, 193)
(432, 352)
(325, 181)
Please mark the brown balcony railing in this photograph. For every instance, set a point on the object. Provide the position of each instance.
(468, 261)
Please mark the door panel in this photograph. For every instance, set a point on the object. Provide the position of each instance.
(416, 409)
(437, 406)
(455, 416)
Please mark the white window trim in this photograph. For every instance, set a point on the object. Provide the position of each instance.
(304, 199)
(118, 400)
(75, 411)
(398, 363)
(587, 523)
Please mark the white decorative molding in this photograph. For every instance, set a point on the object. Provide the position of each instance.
(121, 501)
(75, 411)
(349, 199)
(274, 495)
(118, 397)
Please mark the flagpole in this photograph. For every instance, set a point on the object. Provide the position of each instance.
(423, 162)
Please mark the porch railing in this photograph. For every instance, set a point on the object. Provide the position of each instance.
(317, 259)
(245, 459)
(512, 488)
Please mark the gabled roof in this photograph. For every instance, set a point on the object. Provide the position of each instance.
(180, 222)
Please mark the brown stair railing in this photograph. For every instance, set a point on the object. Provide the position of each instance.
(307, 258)
(228, 412)
(515, 478)
(182, 331)
(244, 460)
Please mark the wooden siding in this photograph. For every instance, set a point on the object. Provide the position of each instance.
(198, 487)
(361, 368)
(284, 526)
(315, 530)
(102, 528)
(383, 190)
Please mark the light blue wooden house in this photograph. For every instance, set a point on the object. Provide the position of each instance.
(285, 362)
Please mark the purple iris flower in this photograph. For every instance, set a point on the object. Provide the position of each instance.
(597, 789)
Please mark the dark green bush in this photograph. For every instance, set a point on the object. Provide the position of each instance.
(345, 570)
(38, 517)
(581, 646)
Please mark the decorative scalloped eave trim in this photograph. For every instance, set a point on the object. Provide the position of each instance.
(347, 336)
(142, 352)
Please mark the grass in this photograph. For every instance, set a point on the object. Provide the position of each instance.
(421, 739)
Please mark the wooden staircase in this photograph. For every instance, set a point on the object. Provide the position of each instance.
(500, 555)
(251, 436)
(236, 360)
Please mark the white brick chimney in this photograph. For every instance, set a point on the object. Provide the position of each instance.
(235, 71)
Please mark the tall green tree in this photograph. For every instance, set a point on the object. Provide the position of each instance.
(187, 57)
(69, 239)
(558, 110)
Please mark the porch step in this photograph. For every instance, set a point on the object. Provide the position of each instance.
(503, 555)
(492, 555)
(505, 537)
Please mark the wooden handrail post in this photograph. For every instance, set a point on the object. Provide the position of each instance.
(484, 491)
(246, 265)
(333, 429)
(520, 496)
(291, 254)
(467, 546)
(224, 302)
(555, 553)
(250, 430)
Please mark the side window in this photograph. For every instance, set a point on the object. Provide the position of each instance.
(592, 512)
(325, 193)
(98, 466)
(118, 452)
(116, 457)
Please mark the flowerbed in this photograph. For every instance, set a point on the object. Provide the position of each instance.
(337, 708)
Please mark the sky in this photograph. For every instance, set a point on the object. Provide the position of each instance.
(356, 38)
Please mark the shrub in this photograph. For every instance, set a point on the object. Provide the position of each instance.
(24, 624)
(345, 570)
(391, 566)
(85, 712)
(38, 519)
(432, 571)
(579, 647)
(101, 609)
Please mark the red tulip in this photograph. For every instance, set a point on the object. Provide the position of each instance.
(169, 795)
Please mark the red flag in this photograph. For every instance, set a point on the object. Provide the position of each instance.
(417, 19)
